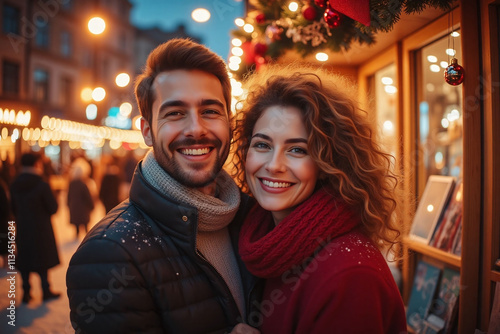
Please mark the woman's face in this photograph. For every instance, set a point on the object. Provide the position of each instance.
(279, 170)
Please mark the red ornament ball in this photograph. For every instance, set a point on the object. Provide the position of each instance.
(321, 3)
(309, 13)
(260, 49)
(332, 18)
(260, 18)
(454, 73)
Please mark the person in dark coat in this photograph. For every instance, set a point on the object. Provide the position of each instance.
(109, 192)
(80, 199)
(33, 204)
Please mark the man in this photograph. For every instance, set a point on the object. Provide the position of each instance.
(33, 204)
(166, 260)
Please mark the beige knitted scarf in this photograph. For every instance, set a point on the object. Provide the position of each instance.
(214, 213)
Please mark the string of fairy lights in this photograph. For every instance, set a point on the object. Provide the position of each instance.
(54, 130)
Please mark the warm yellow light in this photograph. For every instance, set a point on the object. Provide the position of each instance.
(430, 208)
(239, 22)
(390, 89)
(236, 42)
(450, 52)
(387, 81)
(293, 6)
(235, 59)
(432, 59)
(237, 51)
(125, 109)
(435, 68)
(455, 34)
(91, 112)
(248, 28)
(86, 94)
(96, 25)
(200, 15)
(234, 66)
(122, 79)
(98, 94)
(136, 122)
(321, 56)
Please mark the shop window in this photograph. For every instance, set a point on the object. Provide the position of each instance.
(10, 17)
(10, 78)
(66, 44)
(67, 5)
(65, 98)
(384, 87)
(42, 35)
(439, 111)
(41, 86)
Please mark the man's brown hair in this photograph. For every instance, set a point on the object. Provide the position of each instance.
(178, 54)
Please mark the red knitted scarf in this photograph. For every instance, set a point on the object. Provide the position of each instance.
(269, 251)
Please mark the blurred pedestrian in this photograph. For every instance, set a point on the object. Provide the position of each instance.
(109, 192)
(80, 197)
(33, 204)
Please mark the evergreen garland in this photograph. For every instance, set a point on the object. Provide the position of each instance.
(278, 29)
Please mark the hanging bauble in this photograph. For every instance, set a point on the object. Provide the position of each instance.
(260, 18)
(332, 18)
(454, 73)
(248, 53)
(273, 32)
(309, 13)
(321, 3)
(260, 49)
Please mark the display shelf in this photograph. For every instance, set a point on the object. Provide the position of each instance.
(438, 254)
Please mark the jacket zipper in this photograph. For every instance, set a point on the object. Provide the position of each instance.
(226, 287)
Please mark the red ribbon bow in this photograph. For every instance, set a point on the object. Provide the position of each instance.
(358, 10)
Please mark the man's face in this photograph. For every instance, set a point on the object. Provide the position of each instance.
(190, 131)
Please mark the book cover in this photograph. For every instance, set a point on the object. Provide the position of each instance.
(446, 301)
(456, 248)
(422, 294)
(447, 228)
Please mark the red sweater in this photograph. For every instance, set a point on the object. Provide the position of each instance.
(346, 288)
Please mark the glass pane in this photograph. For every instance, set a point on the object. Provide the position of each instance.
(439, 112)
(385, 90)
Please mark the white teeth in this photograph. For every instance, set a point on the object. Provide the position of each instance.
(276, 184)
(199, 151)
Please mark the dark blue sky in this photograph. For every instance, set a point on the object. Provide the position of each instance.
(168, 14)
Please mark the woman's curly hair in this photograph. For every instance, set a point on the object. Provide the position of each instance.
(340, 141)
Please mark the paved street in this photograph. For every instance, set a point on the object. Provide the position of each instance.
(51, 316)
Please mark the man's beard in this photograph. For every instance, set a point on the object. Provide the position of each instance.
(188, 179)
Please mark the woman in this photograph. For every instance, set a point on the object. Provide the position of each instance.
(80, 196)
(326, 198)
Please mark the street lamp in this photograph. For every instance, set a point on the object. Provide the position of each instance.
(96, 25)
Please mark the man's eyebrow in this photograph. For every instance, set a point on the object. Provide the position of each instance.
(173, 103)
(180, 103)
(288, 141)
(209, 102)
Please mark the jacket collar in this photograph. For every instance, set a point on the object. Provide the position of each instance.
(173, 218)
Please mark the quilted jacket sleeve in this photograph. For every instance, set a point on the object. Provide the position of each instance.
(107, 293)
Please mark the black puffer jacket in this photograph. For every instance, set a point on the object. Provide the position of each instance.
(138, 271)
